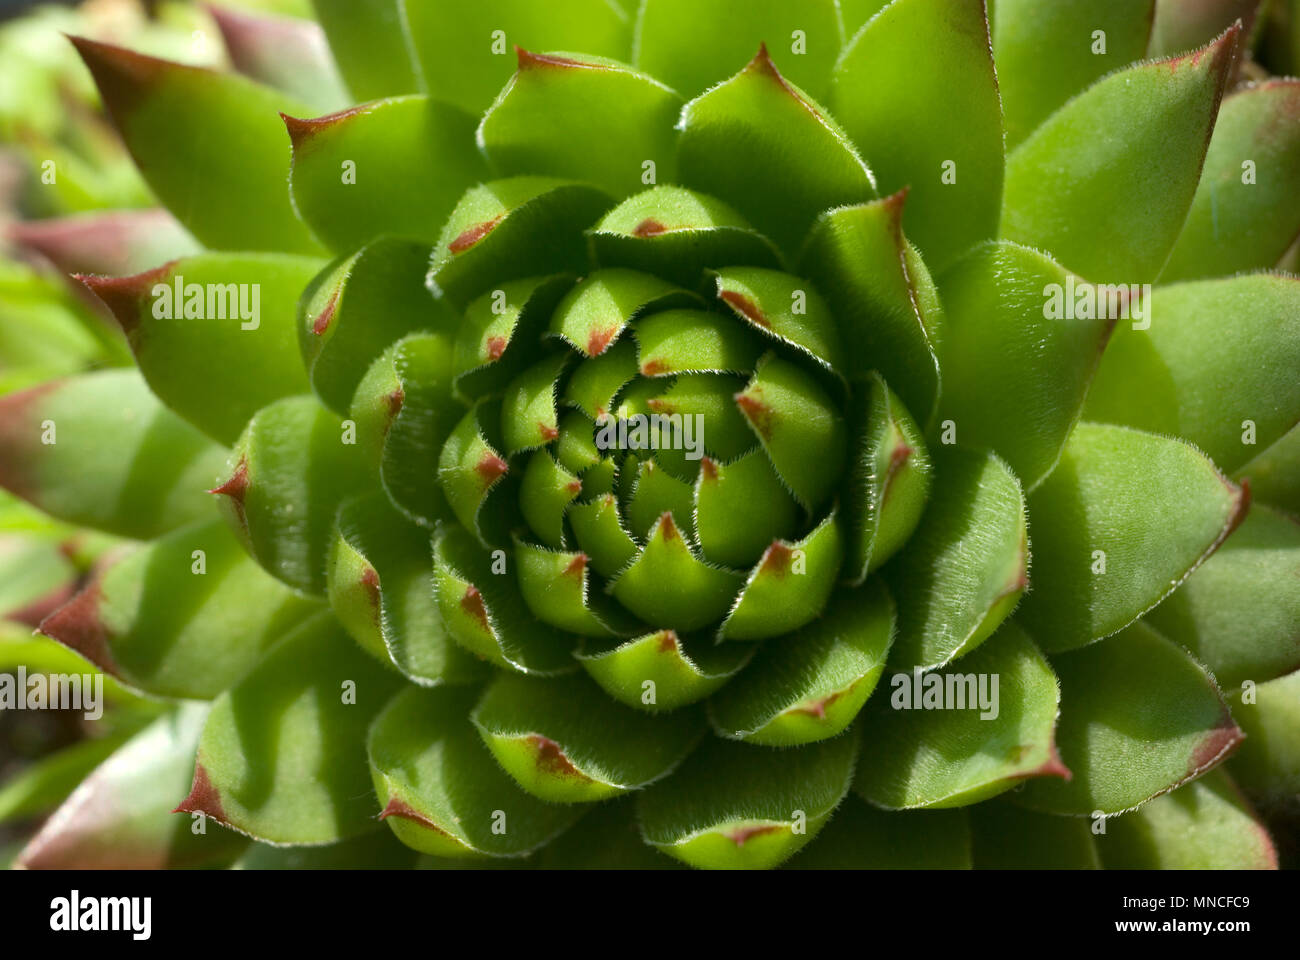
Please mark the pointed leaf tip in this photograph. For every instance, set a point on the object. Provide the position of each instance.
(79, 626)
(303, 129)
(123, 295)
(203, 797)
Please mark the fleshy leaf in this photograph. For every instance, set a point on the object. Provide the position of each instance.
(684, 341)
(382, 590)
(881, 294)
(118, 818)
(810, 686)
(497, 337)
(288, 474)
(783, 307)
(1204, 825)
(889, 480)
(1139, 717)
(558, 590)
(959, 735)
(1274, 473)
(676, 233)
(694, 44)
(1242, 217)
(1007, 837)
(185, 616)
(565, 741)
(760, 144)
(491, 236)
(215, 334)
(209, 144)
(659, 671)
(585, 118)
(370, 170)
(998, 327)
(98, 450)
(596, 311)
(481, 608)
(1268, 764)
(1239, 613)
(1123, 519)
(441, 791)
(1229, 395)
(357, 307)
(1105, 183)
(370, 46)
(667, 584)
(43, 784)
(741, 507)
(282, 756)
(931, 59)
(1048, 52)
(470, 470)
(966, 566)
(797, 423)
(789, 586)
(463, 49)
(733, 805)
(115, 243)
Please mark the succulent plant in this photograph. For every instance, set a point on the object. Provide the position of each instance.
(630, 444)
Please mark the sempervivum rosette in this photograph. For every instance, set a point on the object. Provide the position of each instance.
(648, 459)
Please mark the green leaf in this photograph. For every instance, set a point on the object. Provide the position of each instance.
(799, 427)
(955, 737)
(741, 508)
(355, 308)
(595, 312)
(584, 118)
(209, 144)
(1105, 183)
(1204, 825)
(1228, 395)
(660, 671)
(282, 753)
(1274, 473)
(694, 44)
(370, 46)
(889, 479)
(565, 741)
(681, 341)
(371, 170)
(882, 296)
(287, 53)
(215, 334)
(737, 806)
(116, 459)
(497, 337)
(1048, 52)
(376, 850)
(382, 590)
(470, 469)
(491, 236)
(185, 616)
(789, 586)
(930, 59)
(783, 307)
(482, 609)
(462, 50)
(999, 326)
(607, 839)
(810, 686)
(404, 412)
(966, 566)
(757, 142)
(668, 585)
(1254, 579)
(442, 792)
(860, 837)
(1243, 220)
(1008, 837)
(1268, 764)
(36, 576)
(1119, 524)
(114, 242)
(1139, 717)
(117, 819)
(677, 234)
(289, 472)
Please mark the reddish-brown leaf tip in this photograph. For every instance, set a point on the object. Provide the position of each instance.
(740, 835)
(323, 319)
(599, 340)
(474, 234)
(303, 129)
(746, 307)
(490, 468)
(668, 641)
(79, 626)
(551, 758)
(649, 227)
(397, 807)
(756, 412)
(236, 488)
(125, 296)
(122, 75)
(472, 603)
(203, 798)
